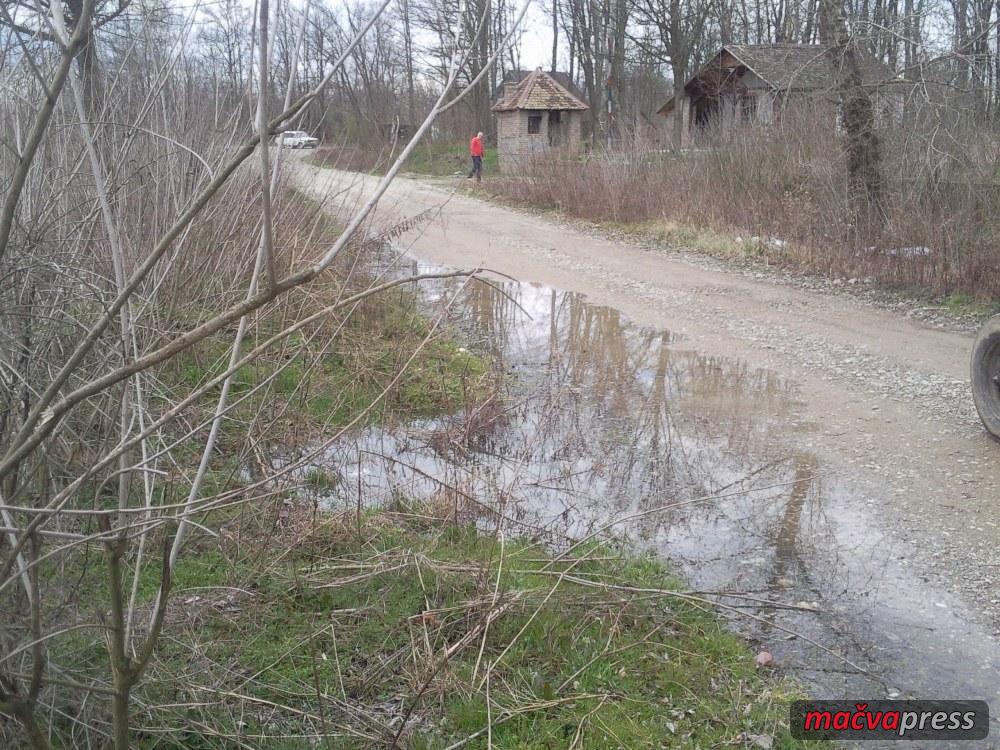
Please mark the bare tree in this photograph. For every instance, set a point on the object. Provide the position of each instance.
(135, 228)
(858, 117)
(678, 40)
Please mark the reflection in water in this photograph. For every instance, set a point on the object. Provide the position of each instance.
(603, 419)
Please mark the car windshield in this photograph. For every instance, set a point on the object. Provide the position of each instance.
(296, 134)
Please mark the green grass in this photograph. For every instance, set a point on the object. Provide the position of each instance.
(619, 669)
(291, 624)
(428, 158)
(441, 159)
(967, 305)
(332, 379)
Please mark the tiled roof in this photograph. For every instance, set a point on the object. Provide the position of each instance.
(799, 66)
(538, 90)
(562, 78)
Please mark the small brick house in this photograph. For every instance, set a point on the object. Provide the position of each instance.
(536, 114)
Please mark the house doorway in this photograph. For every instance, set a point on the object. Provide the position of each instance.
(555, 129)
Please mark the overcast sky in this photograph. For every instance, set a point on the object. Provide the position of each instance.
(536, 44)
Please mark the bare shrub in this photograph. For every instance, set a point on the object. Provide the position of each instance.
(161, 311)
(788, 183)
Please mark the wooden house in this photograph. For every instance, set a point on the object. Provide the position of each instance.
(757, 84)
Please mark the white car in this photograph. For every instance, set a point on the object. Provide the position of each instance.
(297, 139)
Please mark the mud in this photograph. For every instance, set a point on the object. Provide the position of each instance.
(605, 420)
(842, 433)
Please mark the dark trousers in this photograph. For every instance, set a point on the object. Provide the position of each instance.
(477, 168)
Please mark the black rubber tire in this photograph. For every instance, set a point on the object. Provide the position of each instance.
(986, 374)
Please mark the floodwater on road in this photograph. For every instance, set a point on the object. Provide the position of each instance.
(608, 424)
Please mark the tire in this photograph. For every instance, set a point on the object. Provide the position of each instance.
(986, 375)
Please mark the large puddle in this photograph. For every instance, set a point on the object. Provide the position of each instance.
(694, 457)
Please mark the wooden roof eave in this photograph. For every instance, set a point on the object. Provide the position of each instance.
(671, 103)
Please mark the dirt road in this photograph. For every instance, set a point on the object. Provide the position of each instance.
(886, 398)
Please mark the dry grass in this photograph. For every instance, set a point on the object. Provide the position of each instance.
(409, 630)
(942, 230)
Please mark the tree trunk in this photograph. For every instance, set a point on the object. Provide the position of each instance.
(679, 104)
(858, 119)
(25, 714)
(555, 35)
(408, 61)
(726, 22)
(616, 69)
(87, 61)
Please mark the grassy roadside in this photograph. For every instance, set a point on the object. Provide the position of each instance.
(571, 194)
(763, 253)
(441, 160)
(384, 631)
(767, 255)
(297, 628)
(430, 158)
(325, 378)
(382, 360)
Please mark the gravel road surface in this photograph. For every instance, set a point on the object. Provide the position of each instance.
(886, 395)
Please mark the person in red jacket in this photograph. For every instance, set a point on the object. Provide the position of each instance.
(476, 150)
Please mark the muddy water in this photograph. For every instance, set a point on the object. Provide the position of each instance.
(604, 421)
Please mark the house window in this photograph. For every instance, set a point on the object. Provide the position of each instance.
(748, 108)
(534, 124)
